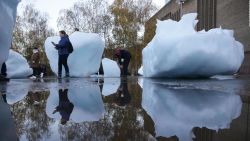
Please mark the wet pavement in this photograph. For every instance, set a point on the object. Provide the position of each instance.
(119, 109)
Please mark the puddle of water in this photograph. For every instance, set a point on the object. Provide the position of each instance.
(125, 109)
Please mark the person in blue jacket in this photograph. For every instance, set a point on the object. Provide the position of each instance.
(63, 53)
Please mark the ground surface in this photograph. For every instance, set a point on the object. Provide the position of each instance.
(120, 109)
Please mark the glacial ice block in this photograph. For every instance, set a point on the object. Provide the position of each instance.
(17, 66)
(87, 55)
(8, 18)
(140, 71)
(110, 68)
(178, 50)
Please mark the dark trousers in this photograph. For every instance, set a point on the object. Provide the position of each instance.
(4, 70)
(124, 70)
(36, 71)
(63, 61)
(101, 72)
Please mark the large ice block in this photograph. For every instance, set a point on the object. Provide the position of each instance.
(87, 55)
(178, 50)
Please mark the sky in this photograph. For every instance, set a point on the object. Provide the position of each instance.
(52, 7)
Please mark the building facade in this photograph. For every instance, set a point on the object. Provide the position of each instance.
(228, 14)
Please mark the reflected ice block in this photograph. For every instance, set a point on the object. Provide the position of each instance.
(15, 91)
(178, 111)
(110, 86)
(87, 101)
(17, 66)
(87, 55)
(178, 50)
(8, 19)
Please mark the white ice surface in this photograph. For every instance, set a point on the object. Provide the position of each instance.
(110, 68)
(178, 111)
(178, 50)
(7, 18)
(17, 66)
(140, 71)
(87, 55)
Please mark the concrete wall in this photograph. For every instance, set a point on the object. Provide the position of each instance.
(233, 14)
(190, 6)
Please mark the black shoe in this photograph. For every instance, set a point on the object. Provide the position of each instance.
(67, 76)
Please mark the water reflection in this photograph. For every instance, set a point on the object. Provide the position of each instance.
(15, 91)
(84, 110)
(7, 128)
(30, 117)
(87, 101)
(122, 96)
(177, 111)
(110, 86)
(4, 98)
(65, 107)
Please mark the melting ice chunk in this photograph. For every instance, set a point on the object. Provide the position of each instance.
(17, 66)
(178, 50)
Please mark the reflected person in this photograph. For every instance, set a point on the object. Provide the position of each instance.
(3, 91)
(3, 75)
(65, 107)
(123, 97)
(4, 98)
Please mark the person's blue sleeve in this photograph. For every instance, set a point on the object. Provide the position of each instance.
(61, 44)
